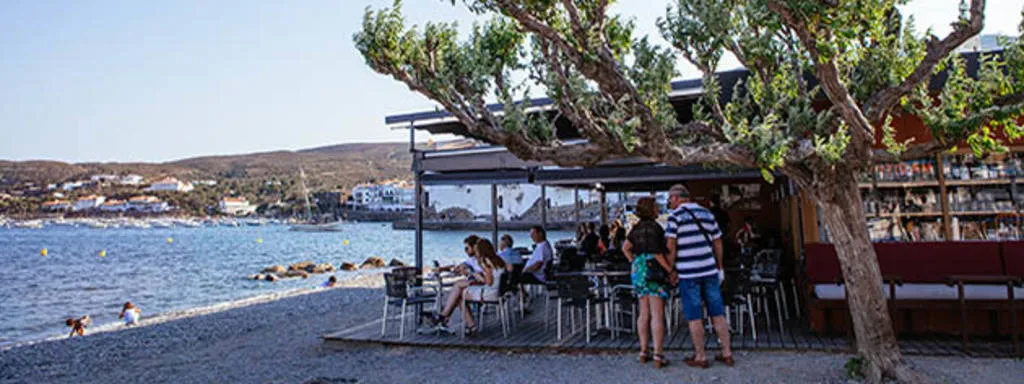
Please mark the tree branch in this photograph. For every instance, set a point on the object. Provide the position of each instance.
(879, 104)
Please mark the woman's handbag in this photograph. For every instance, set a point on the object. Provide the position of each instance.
(655, 273)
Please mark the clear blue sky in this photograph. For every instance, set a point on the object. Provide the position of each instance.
(157, 81)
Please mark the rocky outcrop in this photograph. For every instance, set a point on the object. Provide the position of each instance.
(301, 266)
(346, 266)
(321, 268)
(397, 263)
(271, 278)
(296, 273)
(373, 262)
(275, 269)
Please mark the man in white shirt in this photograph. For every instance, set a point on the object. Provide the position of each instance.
(533, 272)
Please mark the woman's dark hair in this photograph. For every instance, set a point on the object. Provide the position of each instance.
(485, 252)
(619, 237)
(604, 232)
(581, 231)
(471, 240)
(647, 208)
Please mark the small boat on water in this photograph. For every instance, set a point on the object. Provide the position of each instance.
(30, 224)
(325, 227)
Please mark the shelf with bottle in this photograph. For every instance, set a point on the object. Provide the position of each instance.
(966, 169)
(920, 202)
(988, 201)
(998, 228)
(903, 229)
(906, 174)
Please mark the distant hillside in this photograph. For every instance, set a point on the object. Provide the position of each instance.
(332, 167)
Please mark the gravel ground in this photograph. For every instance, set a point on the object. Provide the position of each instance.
(279, 342)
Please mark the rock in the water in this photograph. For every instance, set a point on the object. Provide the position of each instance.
(346, 266)
(258, 276)
(296, 273)
(275, 269)
(373, 262)
(271, 277)
(301, 266)
(397, 263)
(321, 268)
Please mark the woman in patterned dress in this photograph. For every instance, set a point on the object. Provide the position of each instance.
(646, 241)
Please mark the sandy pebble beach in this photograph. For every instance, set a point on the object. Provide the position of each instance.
(277, 340)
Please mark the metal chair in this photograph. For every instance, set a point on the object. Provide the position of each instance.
(622, 295)
(398, 292)
(765, 285)
(574, 292)
(500, 305)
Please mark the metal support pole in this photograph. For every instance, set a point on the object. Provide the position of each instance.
(576, 205)
(494, 214)
(543, 206)
(604, 207)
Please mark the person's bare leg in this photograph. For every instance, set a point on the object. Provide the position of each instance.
(697, 335)
(467, 316)
(454, 297)
(657, 309)
(722, 329)
(643, 324)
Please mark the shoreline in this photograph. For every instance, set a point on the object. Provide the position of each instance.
(359, 280)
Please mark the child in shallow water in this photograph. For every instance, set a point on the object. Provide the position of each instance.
(131, 314)
(78, 325)
(330, 283)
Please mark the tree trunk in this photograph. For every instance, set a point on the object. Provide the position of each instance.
(843, 212)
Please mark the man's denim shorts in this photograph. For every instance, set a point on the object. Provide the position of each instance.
(702, 290)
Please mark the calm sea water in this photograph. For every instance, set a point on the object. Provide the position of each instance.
(199, 267)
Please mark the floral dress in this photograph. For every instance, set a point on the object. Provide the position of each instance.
(641, 286)
(647, 239)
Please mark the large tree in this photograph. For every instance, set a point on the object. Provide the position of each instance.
(826, 78)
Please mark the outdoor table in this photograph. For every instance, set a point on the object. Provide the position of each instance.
(440, 281)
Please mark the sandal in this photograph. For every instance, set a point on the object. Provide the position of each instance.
(471, 331)
(693, 362)
(644, 357)
(725, 359)
(660, 360)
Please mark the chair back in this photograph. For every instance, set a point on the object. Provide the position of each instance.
(766, 263)
(504, 283)
(515, 276)
(396, 285)
(573, 288)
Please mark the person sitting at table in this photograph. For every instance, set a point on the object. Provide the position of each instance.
(604, 239)
(533, 272)
(645, 242)
(508, 253)
(581, 234)
(470, 265)
(483, 286)
(590, 242)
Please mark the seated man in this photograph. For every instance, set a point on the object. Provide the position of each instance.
(508, 253)
(533, 272)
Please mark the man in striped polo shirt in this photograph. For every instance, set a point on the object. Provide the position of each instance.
(695, 248)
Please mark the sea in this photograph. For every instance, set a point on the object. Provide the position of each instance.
(167, 271)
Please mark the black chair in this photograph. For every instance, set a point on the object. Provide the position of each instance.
(766, 286)
(574, 292)
(398, 291)
(500, 305)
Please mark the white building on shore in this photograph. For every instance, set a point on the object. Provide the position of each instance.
(114, 205)
(88, 203)
(237, 206)
(131, 180)
(148, 204)
(384, 197)
(170, 184)
(57, 205)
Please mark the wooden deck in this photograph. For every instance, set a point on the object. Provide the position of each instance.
(529, 334)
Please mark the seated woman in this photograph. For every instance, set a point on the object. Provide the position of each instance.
(484, 286)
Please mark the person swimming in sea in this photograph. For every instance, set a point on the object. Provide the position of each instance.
(78, 325)
(330, 283)
(131, 314)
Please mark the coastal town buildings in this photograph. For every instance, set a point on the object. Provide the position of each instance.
(87, 203)
(147, 204)
(56, 205)
(114, 205)
(170, 184)
(237, 206)
(131, 180)
(383, 197)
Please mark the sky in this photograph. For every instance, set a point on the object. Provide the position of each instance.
(155, 81)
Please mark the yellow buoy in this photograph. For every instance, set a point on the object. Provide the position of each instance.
(103, 253)
(170, 240)
(346, 242)
(44, 252)
(259, 241)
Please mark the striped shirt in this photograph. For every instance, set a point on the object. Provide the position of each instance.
(695, 258)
